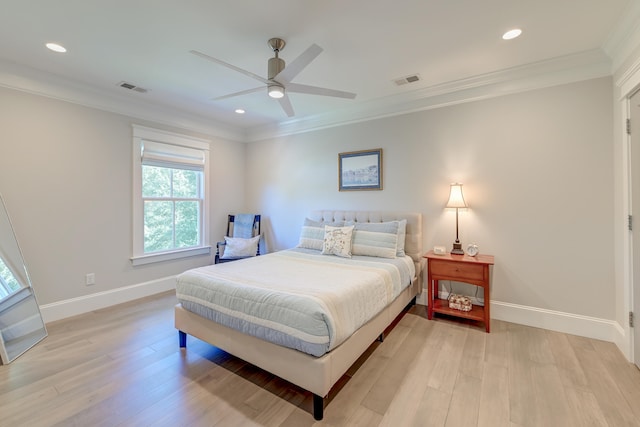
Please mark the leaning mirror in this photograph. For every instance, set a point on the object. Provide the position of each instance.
(21, 325)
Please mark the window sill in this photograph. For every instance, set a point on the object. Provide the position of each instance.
(169, 256)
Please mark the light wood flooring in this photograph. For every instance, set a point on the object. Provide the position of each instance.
(122, 366)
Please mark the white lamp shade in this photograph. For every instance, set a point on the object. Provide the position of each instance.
(456, 199)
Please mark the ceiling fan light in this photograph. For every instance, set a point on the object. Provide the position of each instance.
(276, 91)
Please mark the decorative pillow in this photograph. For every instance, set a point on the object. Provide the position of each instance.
(379, 239)
(337, 241)
(237, 247)
(312, 234)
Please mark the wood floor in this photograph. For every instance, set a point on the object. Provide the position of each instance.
(122, 366)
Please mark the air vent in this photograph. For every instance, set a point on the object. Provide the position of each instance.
(407, 79)
(132, 87)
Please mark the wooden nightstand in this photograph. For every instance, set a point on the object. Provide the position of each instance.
(459, 268)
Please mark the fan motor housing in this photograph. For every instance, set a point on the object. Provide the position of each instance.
(275, 66)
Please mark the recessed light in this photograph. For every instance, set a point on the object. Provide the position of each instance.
(56, 47)
(512, 34)
(239, 111)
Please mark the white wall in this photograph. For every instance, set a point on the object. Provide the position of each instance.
(537, 169)
(65, 174)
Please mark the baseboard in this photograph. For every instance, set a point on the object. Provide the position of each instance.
(568, 323)
(422, 298)
(590, 327)
(622, 341)
(84, 304)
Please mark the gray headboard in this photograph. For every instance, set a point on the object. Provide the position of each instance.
(413, 241)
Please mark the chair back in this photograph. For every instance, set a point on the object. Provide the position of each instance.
(243, 225)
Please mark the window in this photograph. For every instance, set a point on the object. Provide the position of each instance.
(8, 282)
(170, 201)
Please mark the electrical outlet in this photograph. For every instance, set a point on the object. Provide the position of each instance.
(90, 279)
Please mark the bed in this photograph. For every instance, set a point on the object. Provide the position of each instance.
(216, 307)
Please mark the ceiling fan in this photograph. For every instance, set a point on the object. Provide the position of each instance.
(279, 77)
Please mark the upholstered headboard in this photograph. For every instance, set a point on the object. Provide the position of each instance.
(413, 240)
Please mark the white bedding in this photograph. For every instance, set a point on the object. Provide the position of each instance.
(297, 298)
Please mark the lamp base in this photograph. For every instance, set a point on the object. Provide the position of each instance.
(457, 249)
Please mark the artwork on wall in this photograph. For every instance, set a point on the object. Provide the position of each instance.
(360, 170)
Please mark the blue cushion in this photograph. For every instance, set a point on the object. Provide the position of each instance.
(378, 239)
(312, 233)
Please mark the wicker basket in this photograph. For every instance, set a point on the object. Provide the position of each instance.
(460, 302)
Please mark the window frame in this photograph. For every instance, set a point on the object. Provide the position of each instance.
(140, 135)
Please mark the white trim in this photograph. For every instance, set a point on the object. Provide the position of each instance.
(590, 327)
(624, 36)
(570, 68)
(626, 344)
(37, 82)
(568, 323)
(84, 304)
(167, 137)
(547, 73)
(168, 256)
(628, 83)
(140, 134)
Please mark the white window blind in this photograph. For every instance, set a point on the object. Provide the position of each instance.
(171, 156)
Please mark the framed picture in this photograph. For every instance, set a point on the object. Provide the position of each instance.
(360, 170)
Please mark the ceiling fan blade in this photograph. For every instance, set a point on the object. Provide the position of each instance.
(233, 67)
(314, 90)
(285, 103)
(242, 92)
(298, 64)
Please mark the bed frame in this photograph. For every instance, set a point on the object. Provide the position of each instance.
(315, 374)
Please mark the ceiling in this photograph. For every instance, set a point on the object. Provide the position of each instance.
(368, 44)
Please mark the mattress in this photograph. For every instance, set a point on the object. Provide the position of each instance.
(296, 298)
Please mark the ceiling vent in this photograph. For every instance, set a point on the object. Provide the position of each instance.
(132, 87)
(407, 79)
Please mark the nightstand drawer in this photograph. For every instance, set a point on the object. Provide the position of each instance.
(457, 269)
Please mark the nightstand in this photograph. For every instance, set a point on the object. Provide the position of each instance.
(459, 268)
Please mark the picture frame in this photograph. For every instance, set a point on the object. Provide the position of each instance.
(360, 170)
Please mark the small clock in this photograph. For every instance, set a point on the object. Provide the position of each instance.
(472, 249)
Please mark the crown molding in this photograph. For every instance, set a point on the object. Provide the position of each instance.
(36, 82)
(624, 37)
(571, 68)
(576, 67)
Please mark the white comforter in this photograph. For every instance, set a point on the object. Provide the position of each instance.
(296, 298)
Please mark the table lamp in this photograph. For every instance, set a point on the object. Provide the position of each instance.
(456, 200)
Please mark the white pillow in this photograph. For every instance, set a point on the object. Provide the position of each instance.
(237, 247)
(337, 241)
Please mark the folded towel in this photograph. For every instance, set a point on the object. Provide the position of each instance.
(243, 226)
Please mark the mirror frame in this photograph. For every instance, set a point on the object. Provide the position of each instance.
(21, 323)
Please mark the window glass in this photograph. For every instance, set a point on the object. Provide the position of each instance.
(8, 282)
(170, 221)
(156, 181)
